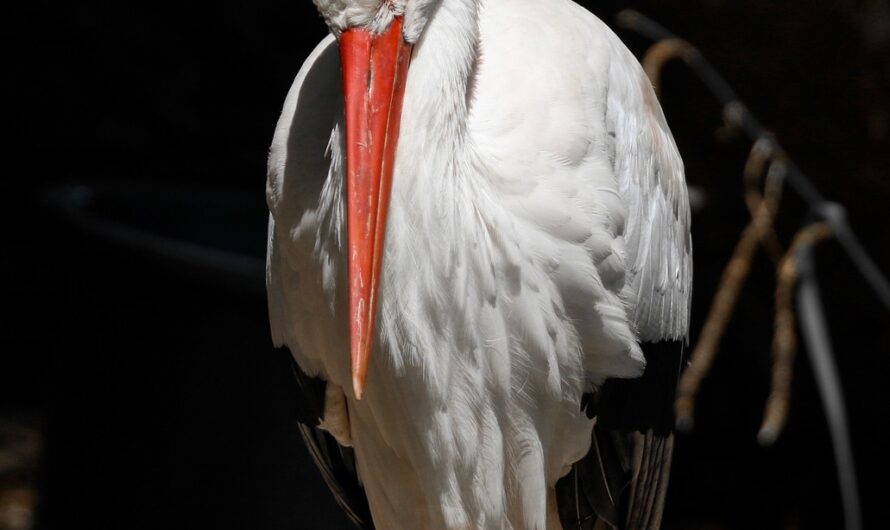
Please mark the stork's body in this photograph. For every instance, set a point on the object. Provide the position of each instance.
(537, 233)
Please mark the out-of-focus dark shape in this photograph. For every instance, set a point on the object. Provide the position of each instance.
(19, 451)
(186, 402)
(201, 231)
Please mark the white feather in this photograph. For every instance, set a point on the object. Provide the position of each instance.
(538, 230)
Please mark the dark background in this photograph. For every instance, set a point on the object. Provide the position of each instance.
(152, 380)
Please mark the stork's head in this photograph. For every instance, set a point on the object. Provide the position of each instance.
(376, 16)
(376, 39)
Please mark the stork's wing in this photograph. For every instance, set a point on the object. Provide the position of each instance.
(299, 161)
(650, 177)
(622, 481)
(297, 168)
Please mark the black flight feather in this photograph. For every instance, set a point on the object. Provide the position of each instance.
(335, 462)
(622, 481)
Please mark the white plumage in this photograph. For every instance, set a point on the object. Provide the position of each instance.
(538, 231)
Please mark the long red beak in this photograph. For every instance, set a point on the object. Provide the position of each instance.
(375, 68)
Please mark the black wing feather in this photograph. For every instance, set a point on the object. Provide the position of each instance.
(623, 479)
(335, 462)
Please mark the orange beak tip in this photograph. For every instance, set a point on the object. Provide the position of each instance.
(358, 385)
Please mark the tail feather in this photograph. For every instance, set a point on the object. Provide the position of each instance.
(652, 463)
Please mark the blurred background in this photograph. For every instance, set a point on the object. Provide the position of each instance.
(138, 384)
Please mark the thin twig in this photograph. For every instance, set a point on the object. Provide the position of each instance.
(660, 53)
(761, 153)
(723, 304)
(784, 337)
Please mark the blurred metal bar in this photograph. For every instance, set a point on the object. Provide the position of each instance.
(815, 334)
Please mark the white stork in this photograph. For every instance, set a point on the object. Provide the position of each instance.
(478, 217)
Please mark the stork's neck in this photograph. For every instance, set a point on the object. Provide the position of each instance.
(436, 100)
